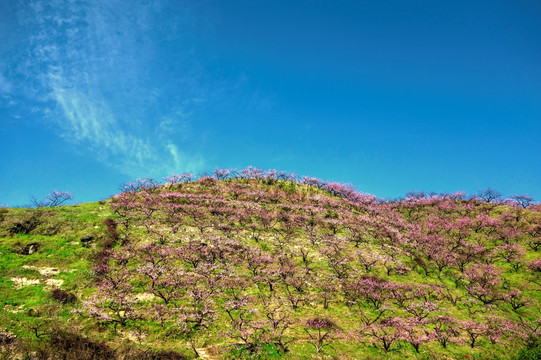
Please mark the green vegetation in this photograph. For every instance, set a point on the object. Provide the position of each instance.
(270, 267)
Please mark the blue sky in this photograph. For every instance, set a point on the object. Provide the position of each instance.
(390, 96)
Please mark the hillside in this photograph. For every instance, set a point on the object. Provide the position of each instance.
(259, 264)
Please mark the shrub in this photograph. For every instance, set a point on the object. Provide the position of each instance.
(106, 243)
(27, 224)
(7, 338)
(86, 240)
(535, 265)
(112, 233)
(207, 181)
(27, 249)
(62, 344)
(62, 296)
(3, 213)
(68, 345)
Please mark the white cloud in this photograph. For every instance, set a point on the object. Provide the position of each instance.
(90, 122)
(174, 152)
(5, 85)
(91, 63)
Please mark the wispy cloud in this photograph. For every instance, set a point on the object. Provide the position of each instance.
(5, 85)
(97, 66)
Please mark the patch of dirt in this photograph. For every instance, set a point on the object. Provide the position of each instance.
(145, 296)
(45, 271)
(7, 338)
(203, 354)
(134, 336)
(54, 282)
(22, 281)
(14, 309)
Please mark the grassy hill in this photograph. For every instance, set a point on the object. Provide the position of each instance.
(265, 265)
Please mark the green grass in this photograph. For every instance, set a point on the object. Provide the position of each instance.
(58, 231)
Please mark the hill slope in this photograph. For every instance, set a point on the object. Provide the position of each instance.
(266, 266)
